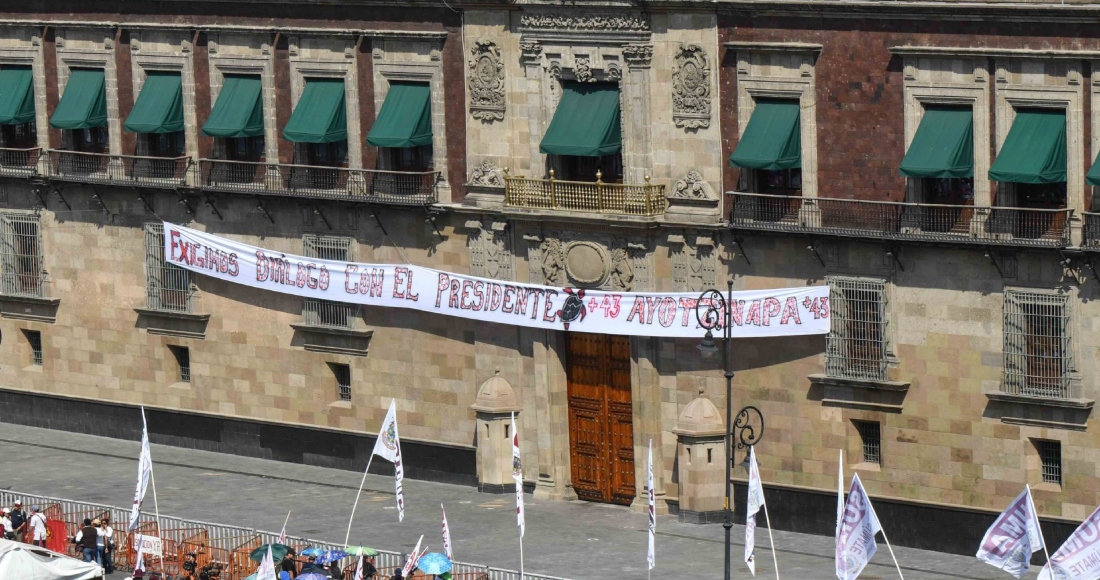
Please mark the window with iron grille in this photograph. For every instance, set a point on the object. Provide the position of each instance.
(34, 341)
(1037, 347)
(22, 254)
(856, 345)
(182, 354)
(870, 436)
(327, 312)
(167, 286)
(1050, 456)
(343, 380)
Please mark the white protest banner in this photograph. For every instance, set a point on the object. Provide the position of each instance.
(145, 474)
(752, 507)
(651, 558)
(149, 545)
(1014, 536)
(755, 313)
(1079, 557)
(855, 545)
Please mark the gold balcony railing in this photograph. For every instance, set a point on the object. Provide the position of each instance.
(598, 197)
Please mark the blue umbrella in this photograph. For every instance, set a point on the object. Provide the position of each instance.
(434, 563)
(312, 552)
(329, 556)
(313, 576)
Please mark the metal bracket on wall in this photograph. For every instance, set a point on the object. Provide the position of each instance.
(1072, 264)
(57, 191)
(993, 260)
(317, 212)
(894, 252)
(185, 203)
(741, 248)
(148, 206)
(213, 208)
(813, 248)
(99, 199)
(430, 218)
(40, 191)
(377, 219)
(1092, 268)
(263, 210)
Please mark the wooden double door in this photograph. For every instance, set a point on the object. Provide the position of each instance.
(601, 428)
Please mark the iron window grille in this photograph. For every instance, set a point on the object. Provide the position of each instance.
(34, 340)
(870, 435)
(343, 381)
(167, 286)
(1050, 454)
(182, 354)
(21, 254)
(327, 312)
(856, 345)
(1037, 345)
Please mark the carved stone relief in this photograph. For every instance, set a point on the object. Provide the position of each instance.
(691, 88)
(638, 55)
(487, 95)
(692, 186)
(486, 175)
(490, 246)
(604, 262)
(530, 51)
(582, 70)
(592, 22)
(694, 267)
(692, 199)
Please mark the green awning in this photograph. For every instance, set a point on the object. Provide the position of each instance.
(159, 107)
(239, 110)
(16, 95)
(405, 119)
(773, 139)
(943, 145)
(586, 122)
(84, 102)
(321, 116)
(1035, 149)
(1093, 176)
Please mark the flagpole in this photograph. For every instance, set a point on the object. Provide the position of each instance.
(153, 482)
(775, 560)
(347, 538)
(896, 565)
(521, 576)
(1039, 525)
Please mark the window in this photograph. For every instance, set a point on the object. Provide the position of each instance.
(34, 341)
(22, 254)
(167, 145)
(870, 437)
(94, 140)
(167, 286)
(327, 154)
(856, 345)
(1050, 457)
(21, 136)
(573, 168)
(244, 148)
(413, 159)
(343, 380)
(327, 312)
(182, 354)
(1037, 349)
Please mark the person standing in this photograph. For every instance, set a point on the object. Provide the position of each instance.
(38, 527)
(397, 574)
(19, 522)
(108, 534)
(5, 521)
(85, 541)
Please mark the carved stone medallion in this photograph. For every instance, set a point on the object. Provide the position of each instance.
(487, 94)
(587, 263)
(691, 88)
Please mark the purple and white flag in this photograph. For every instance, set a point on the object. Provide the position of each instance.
(517, 475)
(446, 535)
(145, 474)
(388, 447)
(651, 559)
(1079, 557)
(755, 500)
(855, 544)
(1014, 536)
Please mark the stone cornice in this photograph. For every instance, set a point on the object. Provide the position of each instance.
(994, 52)
(304, 30)
(773, 46)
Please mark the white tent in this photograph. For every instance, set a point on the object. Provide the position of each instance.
(27, 562)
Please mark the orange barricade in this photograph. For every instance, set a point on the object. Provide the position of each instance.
(240, 565)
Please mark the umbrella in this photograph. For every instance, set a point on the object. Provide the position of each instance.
(434, 563)
(313, 552)
(313, 576)
(331, 556)
(278, 552)
(357, 550)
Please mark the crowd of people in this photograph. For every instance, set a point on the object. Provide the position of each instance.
(22, 526)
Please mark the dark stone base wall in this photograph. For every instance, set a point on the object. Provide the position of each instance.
(290, 443)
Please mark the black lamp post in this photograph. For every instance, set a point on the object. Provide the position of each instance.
(712, 313)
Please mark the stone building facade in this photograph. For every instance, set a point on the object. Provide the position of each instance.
(961, 365)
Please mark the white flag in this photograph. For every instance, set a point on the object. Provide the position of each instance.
(446, 535)
(359, 568)
(855, 544)
(267, 567)
(839, 494)
(1014, 536)
(1079, 557)
(517, 474)
(145, 473)
(414, 556)
(139, 559)
(652, 559)
(282, 535)
(388, 447)
(755, 500)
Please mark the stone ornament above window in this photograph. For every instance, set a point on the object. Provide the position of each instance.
(487, 94)
(691, 88)
(593, 22)
(582, 70)
(487, 174)
(638, 55)
(693, 186)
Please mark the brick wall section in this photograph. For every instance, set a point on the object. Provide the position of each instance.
(125, 89)
(454, 81)
(203, 102)
(365, 65)
(860, 115)
(282, 95)
(49, 66)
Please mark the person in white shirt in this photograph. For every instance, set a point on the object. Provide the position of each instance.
(107, 533)
(5, 520)
(38, 527)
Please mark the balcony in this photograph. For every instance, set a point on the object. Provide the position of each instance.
(127, 170)
(19, 162)
(363, 185)
(914, 222)
(578, 196)
(1091, 239)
